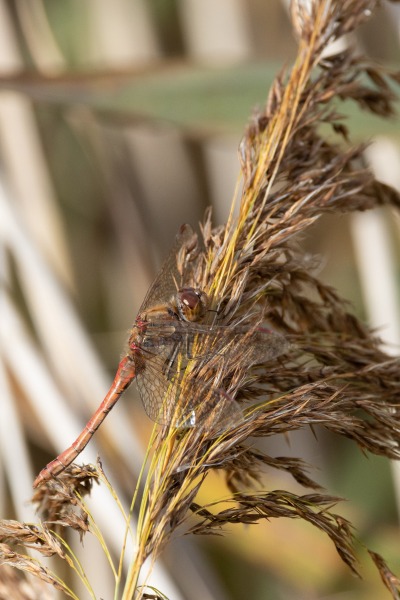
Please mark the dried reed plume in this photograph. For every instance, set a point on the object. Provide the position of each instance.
(330, 370)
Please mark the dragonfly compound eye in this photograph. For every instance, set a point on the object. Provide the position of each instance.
(192, 304)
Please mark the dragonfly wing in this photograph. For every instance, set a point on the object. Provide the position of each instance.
(173, 361)
(154, 386)
(252, 345)
(265, 345)
(164, 285)
(216, 412)
(159, 379)
(207, 409)
(170, 395)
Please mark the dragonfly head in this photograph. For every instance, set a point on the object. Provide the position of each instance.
(192, 304)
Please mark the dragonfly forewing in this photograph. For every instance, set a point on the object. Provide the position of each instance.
(168, 278)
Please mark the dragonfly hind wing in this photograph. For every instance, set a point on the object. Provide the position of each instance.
(219, 413)
(182, 402)
(266, 346)
(211, 411)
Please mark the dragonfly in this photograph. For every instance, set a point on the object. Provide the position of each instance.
(173, 354)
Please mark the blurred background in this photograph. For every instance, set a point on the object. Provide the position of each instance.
(119, 121)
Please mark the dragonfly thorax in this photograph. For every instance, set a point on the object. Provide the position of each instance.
(192, 304)
(162, 324)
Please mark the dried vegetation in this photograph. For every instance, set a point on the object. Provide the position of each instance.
(297, 163)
